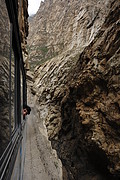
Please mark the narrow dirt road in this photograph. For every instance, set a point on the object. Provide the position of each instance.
(41, 162)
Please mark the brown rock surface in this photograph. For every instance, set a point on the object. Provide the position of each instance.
(23, 27)
(91, 111)
(60, 26)
(23, 22)
(78, 97)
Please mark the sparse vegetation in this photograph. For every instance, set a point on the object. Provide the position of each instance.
(56, 164)
(40, 56)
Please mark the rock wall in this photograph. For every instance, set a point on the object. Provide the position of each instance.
(78, 98)
(61, 26)
(91, 110)
(24, 28)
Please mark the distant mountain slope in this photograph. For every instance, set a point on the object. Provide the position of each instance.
(60, 26)
(77, 93)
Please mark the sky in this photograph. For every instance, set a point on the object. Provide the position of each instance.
(33, 6)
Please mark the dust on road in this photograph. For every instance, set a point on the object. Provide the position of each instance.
(41, 161)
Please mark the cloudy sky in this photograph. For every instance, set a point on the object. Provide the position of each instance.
(33, 6)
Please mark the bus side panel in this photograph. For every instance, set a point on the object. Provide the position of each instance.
(18, 169)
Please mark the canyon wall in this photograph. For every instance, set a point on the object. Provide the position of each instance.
(61, 26)
(77, 92)
(24, 28)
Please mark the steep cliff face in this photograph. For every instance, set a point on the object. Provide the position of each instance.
(5, 29)
(23, 27)
(61, 26)
(23, 21)
(78, 97)
(91, 110)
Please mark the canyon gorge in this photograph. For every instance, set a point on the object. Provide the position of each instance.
(71, 52)
(74, 53)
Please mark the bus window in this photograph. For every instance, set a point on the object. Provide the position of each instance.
(21, 79)
(4, 77)
(12, 93)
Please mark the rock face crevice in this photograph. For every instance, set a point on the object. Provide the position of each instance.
(91, 110)
(60, 26)
(78, 98)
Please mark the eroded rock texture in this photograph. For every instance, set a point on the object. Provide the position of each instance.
(64, 25)
(23, 27)
(91, 111)
(78, 98)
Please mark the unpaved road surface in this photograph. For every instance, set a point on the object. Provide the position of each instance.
(41, 162)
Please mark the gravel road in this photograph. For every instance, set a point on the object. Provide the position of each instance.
(41, 162)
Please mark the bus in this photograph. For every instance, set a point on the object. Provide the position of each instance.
(13, 92)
